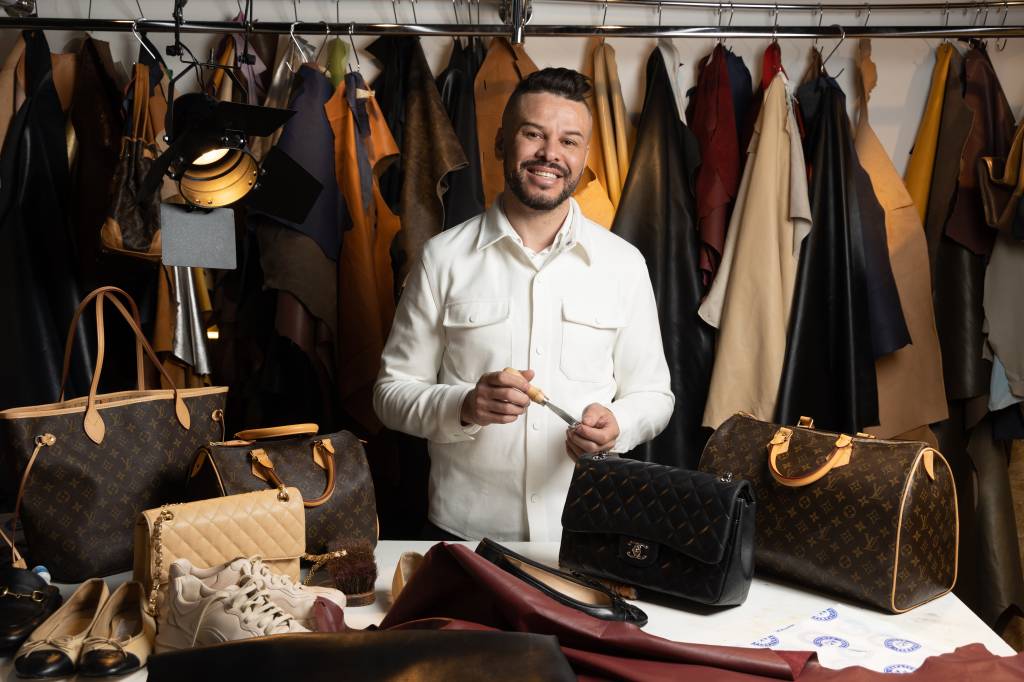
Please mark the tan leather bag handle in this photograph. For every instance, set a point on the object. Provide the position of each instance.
(93, 422)
(779, 445)
(261, 461)
(278, 432)
(73, 329)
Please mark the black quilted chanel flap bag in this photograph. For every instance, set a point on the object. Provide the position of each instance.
(681, 532)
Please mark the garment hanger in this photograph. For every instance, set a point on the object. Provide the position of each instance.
(355, 52)
(604, 20)
(458, 22)
(817, 38)
(775, 25)
(833, 50)
(1001, 42)
(327, 36)
(945, 22)
(138, 36)
(732, 14)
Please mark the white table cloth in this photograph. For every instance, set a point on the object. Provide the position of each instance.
(939, 626)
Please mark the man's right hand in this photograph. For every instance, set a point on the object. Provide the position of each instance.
(498, 398)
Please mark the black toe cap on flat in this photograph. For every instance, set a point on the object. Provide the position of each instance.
(106, 662)
(42, 664)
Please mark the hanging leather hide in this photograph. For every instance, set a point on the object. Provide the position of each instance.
(657, 214)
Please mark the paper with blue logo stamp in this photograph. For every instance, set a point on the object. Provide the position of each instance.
(842, 638)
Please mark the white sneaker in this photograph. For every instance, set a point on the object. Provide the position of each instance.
(292, 598)
(197, 615)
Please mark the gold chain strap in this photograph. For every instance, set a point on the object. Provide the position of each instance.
(158, 562)
(319, 560)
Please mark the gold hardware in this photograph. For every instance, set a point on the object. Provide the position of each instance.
(781, 436)
(843, 441)
(218, 416)
(35, 595)
(319, 560)
(158, 561)
(282, 494)
(637, 550)
(46, 439)
(259, 455)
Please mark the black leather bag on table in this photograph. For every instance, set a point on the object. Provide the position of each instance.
(677, 531)
(330, 471)
(87, 466)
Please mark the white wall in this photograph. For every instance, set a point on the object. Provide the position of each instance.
(904, 64)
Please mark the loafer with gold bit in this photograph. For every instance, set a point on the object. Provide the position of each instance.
(53, 648)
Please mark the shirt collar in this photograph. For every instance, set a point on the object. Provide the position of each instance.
(495, 227)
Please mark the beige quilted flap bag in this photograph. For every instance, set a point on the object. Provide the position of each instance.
(270, 524)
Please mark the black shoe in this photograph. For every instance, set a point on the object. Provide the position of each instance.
(26, 600)
(570, 589)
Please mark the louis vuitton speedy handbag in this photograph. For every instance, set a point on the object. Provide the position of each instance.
(331, 472)
(681, 532)
(87, 466)
(269, 524)
(872, 520)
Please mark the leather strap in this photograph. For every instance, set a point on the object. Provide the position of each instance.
(45, 440)
(779, 445)
(262, 464)
(278, 432)
(93, 422)
(73, 329)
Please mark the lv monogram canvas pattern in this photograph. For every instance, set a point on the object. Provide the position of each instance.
(839, 534)
(82, 498)
(349, 514)
(672, 530)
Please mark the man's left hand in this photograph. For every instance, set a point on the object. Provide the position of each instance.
(598, 432)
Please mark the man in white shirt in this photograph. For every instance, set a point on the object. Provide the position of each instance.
(533, 284)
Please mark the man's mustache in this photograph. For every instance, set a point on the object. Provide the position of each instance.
(530, 165)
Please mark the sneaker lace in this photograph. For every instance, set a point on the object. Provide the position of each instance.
(261, 573)
(253, 601)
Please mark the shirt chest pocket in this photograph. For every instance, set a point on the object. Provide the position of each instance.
(478, 338)
(589, 330)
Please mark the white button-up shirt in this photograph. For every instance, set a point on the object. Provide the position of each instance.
(583, 318)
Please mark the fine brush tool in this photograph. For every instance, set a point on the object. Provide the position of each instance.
(537, 396)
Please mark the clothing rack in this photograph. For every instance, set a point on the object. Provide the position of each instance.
(518, 27)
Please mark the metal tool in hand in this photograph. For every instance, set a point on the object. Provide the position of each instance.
(537, 396)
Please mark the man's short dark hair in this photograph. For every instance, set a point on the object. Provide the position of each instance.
(567, 83)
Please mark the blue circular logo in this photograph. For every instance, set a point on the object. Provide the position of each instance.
(766, 642)
(904, 646)
(899, 668)
(827, 614)
(829, 641)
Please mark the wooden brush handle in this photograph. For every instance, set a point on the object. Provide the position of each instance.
(536, 395)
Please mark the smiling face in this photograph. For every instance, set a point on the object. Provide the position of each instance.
(543, 145)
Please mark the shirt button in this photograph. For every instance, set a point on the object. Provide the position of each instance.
(538, 350)
(536, 426)
(597, 320)
(472, 318)
(533, 498)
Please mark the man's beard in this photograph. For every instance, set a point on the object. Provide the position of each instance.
(514, 180)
